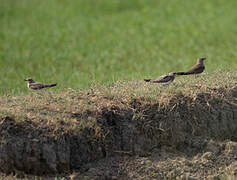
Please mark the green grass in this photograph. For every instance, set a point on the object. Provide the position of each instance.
(78, 43)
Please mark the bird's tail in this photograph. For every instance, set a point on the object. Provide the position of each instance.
(182, 73)
(50, 85)
(147, 80)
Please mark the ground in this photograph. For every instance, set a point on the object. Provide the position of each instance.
(128, 130)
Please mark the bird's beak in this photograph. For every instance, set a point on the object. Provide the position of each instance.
(204, 58)
(25, 80)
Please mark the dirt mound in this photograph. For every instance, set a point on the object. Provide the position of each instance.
(187, 137)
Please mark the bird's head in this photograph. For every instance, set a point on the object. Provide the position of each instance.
(200, 60)
(29, 80)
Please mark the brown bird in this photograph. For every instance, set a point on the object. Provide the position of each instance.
(196, 69)
(31, 84)
(164, 80)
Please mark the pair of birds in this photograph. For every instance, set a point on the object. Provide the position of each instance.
(198, 68)
(165, 79)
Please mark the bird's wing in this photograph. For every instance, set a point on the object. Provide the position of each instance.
(163, 79)
(196, 69)
(36, 85)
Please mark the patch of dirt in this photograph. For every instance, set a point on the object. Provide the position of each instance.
(187, 138)
(166, 163)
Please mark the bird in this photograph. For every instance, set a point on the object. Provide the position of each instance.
(198, 68)
(31, 84)
(164, 79)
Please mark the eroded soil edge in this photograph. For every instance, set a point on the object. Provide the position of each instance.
(187, 136)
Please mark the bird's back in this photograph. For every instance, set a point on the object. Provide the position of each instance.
(163, 79)
(198, 68)
(36, 86)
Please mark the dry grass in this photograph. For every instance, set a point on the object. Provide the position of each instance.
(66, 106)
(78, 112)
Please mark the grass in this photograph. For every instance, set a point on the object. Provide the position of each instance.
(81, 43)
(52, 109)
(53, 116)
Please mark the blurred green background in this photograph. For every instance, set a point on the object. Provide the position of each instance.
(78, 43)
